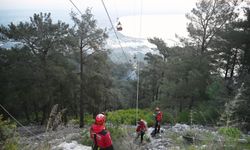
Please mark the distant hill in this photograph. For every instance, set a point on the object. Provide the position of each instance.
(128, 47)
(131, 47)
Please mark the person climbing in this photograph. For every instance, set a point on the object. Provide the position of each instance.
(141, 129)
(100, 135)
(158, 118)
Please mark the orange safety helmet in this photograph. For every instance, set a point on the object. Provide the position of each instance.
(100, 119)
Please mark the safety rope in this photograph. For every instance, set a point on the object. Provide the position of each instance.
(138, 66)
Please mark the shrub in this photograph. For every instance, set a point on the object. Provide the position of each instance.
(88, 120)
(8, 139)
(128, 117)
(116, 132)
(86, 140)
(230, 132)
(183, 117)
(205, 113)
(74, 121)
(168, 118)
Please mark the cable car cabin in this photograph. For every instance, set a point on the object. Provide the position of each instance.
(119, 26)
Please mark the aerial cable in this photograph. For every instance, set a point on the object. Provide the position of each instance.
(76, 7)
(114, 31)
(17, 121)
(82, 14)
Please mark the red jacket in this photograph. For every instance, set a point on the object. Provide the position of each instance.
(158, 116)
(141, 126)
(100, 136)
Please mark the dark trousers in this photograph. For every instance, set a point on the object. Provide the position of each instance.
(157, 127)
(95, 147)
(141, 133)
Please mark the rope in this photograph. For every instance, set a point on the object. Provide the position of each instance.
(17, 121)
(138, 67)
(137, 89)
(114, 31)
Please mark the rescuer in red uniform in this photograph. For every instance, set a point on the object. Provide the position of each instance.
(100, 136)
(158, 118)
(141, 129)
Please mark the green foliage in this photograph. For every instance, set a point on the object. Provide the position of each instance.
(206, 113)
(7, 129)
(117, 132)
(128, 117)
(46, 70)
(39, 74)
(85, 138)
(216, 88)
(8, 135)
(11, 144)
(88, 120)
(168, 118)
(230, 132)
(204, 33)
(229, 116)
(183, 117)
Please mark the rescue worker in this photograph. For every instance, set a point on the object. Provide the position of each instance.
(100, 136)
(141, 129)
(158, 118)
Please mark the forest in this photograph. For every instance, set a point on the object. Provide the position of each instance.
(208, 75)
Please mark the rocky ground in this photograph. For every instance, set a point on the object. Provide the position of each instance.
(65, 138)
(170, 138)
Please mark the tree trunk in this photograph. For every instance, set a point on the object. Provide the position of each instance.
(44, 111)
(36, 112)
(227, 67)
(191, 103)
(26, 113)
(180, 105)
(157, 93)
(234, 63)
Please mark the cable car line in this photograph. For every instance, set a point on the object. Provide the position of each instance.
(17, 121)
(82, 14)
(114, 30)
(76, 7)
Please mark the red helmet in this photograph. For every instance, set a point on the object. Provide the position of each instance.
(100, 119)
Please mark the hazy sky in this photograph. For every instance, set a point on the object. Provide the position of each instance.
(119, 6)
(162, 18)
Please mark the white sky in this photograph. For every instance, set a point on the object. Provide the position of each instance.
(153, 5)
(160, 18)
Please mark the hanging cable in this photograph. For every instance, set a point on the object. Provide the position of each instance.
(17, 121)
(114, 30)
(82, 14)
(76, 7)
